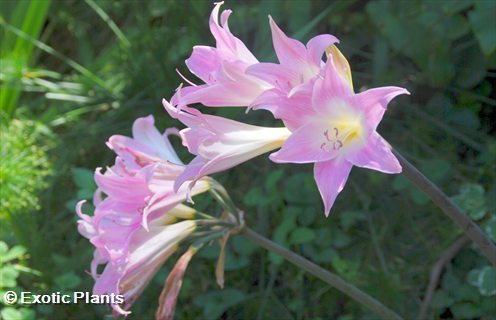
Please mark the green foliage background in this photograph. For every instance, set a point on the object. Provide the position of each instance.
(75, 72)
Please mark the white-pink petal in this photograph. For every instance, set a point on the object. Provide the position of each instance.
(376, 155)
(331, 176)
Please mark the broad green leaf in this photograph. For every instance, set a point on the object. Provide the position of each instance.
(441, 299)
(255, 197)
(68, 280)
(466, 310)
(487, 281)
(3, 248)
(471, 199)
(281, 234)
(325, 256)
(215, 303)
(11, 314)
(301, 235)
(83, 178)
(8, 276)
(14, 253)
(273, 178)
(243, 246)
(483, 25)
(490, 228)
(339, 238)
(465, 292)
(307, 216)
(436, 169)
(473, 277)
(350, 218)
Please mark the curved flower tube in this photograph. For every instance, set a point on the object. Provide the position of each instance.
(220, 143)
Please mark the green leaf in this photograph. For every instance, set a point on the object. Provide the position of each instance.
(10, 314)
(441, 299)
(281, 234)
(466, 311)
(273, 178)
(255, 197)
(14, 253)
(68, 280)
(437, 169)
(215, 303)
(3, 249)
(465, 292)
(483, 25)
(8, 277)
(490, 228)
(471, 199)
(401, 183)
(307, 216)
(473, 277)
(339, 238)
(301, 235)
(350, 218)
(325, 256)
(487, 281)
(235, 261)
(83, 178)
(243, 246)
(300, 189)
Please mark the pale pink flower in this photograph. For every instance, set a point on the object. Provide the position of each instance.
(293, 78)
(147, 146)
(222, 68)
(133, 227)
(298, 64)
(220, 143)
(336, 131)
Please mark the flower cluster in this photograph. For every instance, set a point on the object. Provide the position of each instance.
(325, 121)
(140, 219)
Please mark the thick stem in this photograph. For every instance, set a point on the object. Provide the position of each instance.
(441, 200)
(324, 275)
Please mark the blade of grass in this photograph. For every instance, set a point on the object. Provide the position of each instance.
(30, 17)
(105, 17)
(73, 64)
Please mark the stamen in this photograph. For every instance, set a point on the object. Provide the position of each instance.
(326, 134)
(185, 79)
(337, 132)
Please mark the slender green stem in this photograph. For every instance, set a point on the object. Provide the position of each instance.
(441, 200)
(326, 276)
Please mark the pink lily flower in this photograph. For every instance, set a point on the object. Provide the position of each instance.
(147, 146)
(298, 65)
(338, 131)
(220, 143)
(222, 68)
(134, 227)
